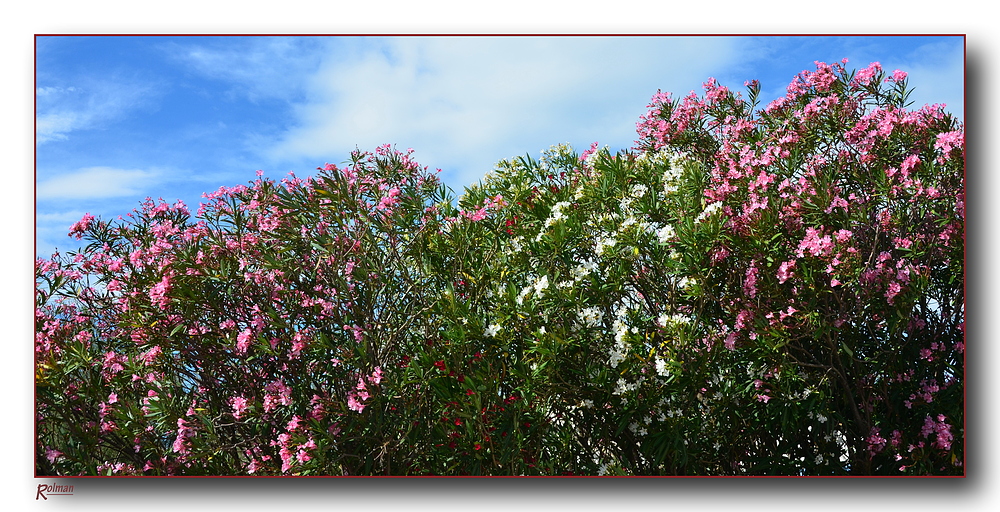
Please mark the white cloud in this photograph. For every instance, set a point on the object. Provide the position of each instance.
(464, 103)
(97, 183)
(91, 103)
(258, 67)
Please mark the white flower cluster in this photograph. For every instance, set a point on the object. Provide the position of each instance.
(672, 161)
(556, 214)
(603, 470)
(661, 367)
(664, 319)
(818, 416)
(555, 150)
(538, 286)
(670, 177)
(642, 226)
(622, 386)
(583, 270)
(665, 233)
(591, 317)
(621, 330)
(634, 427)
(709, 210)
(603, 243)
(515, 245)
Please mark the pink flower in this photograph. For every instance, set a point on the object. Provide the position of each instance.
(893, 291)
(743, 319)
(239, 406)
(150, 355)
(52, 454)
(277, 393)
(183, 433)
(158, 294)
(302, 456)
(750, 283)
(785, 271)
(876, 443)
(815, 244)
(864, 76)
(243, 341)
(730, 341)
(76, 230)
(353, 404)
(947, 141)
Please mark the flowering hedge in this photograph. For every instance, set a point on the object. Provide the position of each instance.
(749, 290)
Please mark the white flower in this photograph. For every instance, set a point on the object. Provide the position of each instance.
(662, 319)
(709, 210)
(541, 285)
(675, 319)
(661, 367)
(603, 243)
(620, 330)
(583, 270)
(556, 214)
(591, 317)
(492, 330)
(665, 233)
(524, 293)
(639, 190)
(616, 359)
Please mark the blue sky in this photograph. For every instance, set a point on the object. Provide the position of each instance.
(120, 118)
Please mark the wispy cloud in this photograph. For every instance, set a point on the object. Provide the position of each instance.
(98, 183)
(465, 103)
(256, 67)
(90, 103)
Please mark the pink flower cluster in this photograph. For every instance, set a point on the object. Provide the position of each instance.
(941, 429)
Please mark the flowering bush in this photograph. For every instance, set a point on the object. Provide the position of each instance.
(747, 291)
